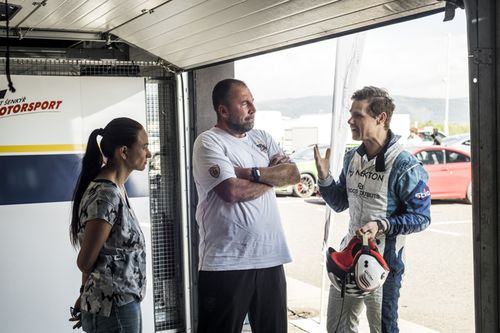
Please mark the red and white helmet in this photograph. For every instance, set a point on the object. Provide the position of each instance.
(359, 269)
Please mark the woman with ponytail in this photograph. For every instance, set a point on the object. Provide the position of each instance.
(112, 255)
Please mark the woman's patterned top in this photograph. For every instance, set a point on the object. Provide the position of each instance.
(119, 274)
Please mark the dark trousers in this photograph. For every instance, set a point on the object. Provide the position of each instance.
(225, 297)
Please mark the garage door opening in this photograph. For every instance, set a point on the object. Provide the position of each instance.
(423, 65)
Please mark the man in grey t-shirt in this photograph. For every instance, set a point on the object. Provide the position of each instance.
(242, 245)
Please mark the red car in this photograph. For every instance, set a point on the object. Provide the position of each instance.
(449, 171)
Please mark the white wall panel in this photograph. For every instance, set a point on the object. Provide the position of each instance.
(61, 125)
(40, 279)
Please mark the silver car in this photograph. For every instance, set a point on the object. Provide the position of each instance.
(459, 141)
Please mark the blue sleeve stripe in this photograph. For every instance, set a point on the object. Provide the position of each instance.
(415, 216)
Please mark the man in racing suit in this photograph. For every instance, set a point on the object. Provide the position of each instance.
(385, 189)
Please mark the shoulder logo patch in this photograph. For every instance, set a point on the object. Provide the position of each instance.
(424, 194)
(214, 171)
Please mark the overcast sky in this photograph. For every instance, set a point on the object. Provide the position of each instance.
(408, 59)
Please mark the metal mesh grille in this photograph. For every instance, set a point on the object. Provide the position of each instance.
(65, 67)
(161, 126)
(164, 211)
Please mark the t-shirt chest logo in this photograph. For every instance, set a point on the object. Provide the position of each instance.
(214, 171)
(261, 145)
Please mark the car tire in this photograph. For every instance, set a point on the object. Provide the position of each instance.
(306, 187)
(468, 194)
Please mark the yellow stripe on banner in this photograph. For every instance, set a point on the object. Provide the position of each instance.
(41, 148)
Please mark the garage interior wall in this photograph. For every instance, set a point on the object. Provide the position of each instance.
(204, 81)
(160, 92)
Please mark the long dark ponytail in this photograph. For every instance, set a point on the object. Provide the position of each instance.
(119, 132)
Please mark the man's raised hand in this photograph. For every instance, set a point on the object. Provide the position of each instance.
(322, 164)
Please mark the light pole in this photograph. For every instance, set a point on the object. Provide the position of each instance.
(447, 86)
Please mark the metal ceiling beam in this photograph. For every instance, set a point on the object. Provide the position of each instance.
(52, 34)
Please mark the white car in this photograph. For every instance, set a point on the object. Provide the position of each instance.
(459, 141)
(426, 135)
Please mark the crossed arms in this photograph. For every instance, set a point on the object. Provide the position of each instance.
(279, 172)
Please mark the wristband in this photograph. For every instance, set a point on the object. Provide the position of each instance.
(255, 174)
(380, 227)
(328, 175)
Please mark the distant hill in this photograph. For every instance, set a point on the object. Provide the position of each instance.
(420, 109)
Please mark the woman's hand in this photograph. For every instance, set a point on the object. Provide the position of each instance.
(76, 314)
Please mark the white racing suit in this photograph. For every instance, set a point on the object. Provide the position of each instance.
(390, 188)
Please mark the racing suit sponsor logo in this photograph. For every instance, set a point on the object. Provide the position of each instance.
(424, 194)
(362, 193)
(367, 174)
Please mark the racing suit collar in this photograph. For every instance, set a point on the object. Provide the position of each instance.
(380, 157)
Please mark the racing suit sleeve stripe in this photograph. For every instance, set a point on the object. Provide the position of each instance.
(414, 212)
(335, 194)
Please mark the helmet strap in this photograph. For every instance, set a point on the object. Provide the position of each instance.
(343, 287)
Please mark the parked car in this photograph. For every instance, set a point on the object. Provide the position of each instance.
(449, 171)
(459, 141)
(426, 135)
(304, 159)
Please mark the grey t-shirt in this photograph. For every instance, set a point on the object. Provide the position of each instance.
(119, 274)
(242, 235)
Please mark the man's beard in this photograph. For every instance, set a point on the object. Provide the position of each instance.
(240, 128)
